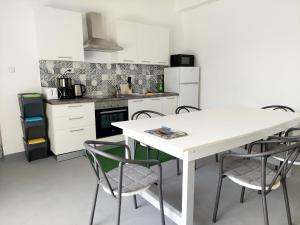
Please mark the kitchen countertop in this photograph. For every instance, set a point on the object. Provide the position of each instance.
(110, 98)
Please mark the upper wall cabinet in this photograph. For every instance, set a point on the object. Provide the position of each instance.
(59, 34)
(146, 44)
(143, 44)
(162, 48)
(126, 36)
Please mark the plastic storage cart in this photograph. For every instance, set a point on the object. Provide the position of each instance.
(34, 126)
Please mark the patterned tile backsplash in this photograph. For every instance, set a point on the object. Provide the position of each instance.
(101, 79)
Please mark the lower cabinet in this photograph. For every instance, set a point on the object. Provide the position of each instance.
(70, 126)
(164, 105)
(169, 105)
(69, 140)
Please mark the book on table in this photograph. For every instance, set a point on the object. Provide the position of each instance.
(166, 133)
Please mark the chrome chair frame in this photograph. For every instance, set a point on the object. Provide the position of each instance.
(292, 152)
(148, 113)
(92, 153)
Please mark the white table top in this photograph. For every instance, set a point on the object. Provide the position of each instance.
(210, 131)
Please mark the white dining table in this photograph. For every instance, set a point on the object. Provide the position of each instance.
(209, 132)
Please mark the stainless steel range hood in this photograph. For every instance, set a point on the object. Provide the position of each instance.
(95, 41)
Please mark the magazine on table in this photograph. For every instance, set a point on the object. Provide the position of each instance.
(166, 133)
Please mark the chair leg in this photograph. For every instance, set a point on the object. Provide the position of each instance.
(119, 208)
(195, 164)
(162, 214)
(242, 195)
(120, 194)
(94, 205)
(148, 155)
(265, 207)
(218, 198)
(135, 150)
(177, 165)
(286, 199)
(135, 202)
(217, 158)
(157, 154)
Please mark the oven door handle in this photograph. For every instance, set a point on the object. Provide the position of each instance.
(113, 111)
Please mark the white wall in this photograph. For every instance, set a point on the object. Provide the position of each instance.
(181, 5)
(18, 48)
(249, 51)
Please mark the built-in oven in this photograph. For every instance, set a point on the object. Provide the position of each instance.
(107, 112)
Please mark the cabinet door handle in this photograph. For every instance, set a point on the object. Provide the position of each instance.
(145, 61)
(155, 99)
(128, 60)
(73, 131)
(74, 106)
(171, 98)
(113, 111)
(65, 57)
(162, 62)
(76, 118)
(138, 101)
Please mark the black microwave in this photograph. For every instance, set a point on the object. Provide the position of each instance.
(182, 60)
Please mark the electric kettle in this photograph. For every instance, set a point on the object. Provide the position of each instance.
(78, 90)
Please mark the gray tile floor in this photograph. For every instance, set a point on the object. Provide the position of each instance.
(47, 192)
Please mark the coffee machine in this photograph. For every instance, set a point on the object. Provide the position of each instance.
(64, 87)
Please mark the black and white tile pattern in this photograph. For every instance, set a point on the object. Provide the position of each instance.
(100, 79)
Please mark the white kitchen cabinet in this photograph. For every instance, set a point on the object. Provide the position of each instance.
(146, 44)
(164, 105)
(143, 44)
(72, 139)
(154, 104)
(169, 105)
(162, 48)
(126, 37)
(135, 105)
(70, 125)
(59, 34)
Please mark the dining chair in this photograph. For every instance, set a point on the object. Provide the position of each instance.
(130, 178)
(254, 172)
(280, 107)
(142, 114)
(187, 109)
(272, 107)
(275, 145)
(276, 107)
(281, 156)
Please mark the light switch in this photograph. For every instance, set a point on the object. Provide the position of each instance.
(11, 69)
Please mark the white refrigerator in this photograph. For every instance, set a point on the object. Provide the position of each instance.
(186, 82)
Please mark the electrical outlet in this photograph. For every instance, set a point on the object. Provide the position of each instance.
(11, 69)
(65, 70)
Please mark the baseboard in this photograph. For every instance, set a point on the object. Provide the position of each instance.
(14, 156)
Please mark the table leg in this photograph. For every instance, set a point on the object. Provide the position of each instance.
(130, 142)
(188, 186)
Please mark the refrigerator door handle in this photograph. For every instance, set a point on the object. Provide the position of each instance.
(189, 83)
